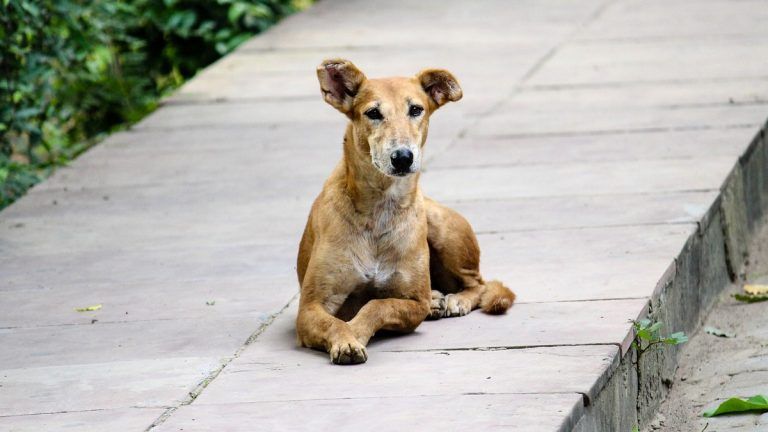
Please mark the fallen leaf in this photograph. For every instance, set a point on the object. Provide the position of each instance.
(756, 289)
(717, 332)
(748, 298)
(89, 308)
(734, 405)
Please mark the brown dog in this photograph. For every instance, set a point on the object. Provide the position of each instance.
(376, 254)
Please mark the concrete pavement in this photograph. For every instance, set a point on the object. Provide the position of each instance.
(589, 154)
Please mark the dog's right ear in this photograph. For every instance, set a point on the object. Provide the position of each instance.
(339, 81)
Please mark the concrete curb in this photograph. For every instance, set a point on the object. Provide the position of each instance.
(711, 258)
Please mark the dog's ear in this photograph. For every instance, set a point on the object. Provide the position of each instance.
(440, 85)
(339, 81)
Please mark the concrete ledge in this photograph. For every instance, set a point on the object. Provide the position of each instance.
(711, 258)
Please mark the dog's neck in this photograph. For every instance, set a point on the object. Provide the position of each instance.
(367, 187)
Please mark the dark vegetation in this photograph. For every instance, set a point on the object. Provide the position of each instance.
(73, 71)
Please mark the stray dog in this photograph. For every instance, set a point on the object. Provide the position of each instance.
(376, 254)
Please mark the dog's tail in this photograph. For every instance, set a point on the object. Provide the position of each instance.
(496, 298)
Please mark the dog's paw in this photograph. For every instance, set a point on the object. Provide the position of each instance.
(456, 305)
(437, 305)
(350, 352)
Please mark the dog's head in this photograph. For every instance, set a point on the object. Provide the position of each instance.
(390, 116)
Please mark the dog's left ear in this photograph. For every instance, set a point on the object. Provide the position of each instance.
(440, 85)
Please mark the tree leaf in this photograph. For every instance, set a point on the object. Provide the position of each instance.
(236, 11)
(734, 405)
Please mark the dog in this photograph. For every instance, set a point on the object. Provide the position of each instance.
(376, 254)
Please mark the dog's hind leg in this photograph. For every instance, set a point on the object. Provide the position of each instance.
(455, 265)
(436, 305)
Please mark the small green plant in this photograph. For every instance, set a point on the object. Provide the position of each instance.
(647, 335)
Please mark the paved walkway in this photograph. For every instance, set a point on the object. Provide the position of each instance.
(592, 138)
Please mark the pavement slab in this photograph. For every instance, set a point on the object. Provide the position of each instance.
(439, 359)
(97, 420)
(626, 177)
(592, 140)
(598, 323)
(111, 341)
(659, 60)
(96, 386)
(593, 148)
(566, 370)
(686, 19)
(522, 412)
(587, 211)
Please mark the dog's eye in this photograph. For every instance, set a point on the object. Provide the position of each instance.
(415, 111)
(374, 114)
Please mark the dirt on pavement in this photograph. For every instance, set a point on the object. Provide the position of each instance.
(714, 368)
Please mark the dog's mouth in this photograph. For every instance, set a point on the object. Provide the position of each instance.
(401, 173)
(394, 172)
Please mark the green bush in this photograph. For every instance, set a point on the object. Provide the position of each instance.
(72, 71)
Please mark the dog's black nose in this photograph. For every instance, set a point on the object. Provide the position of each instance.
(402, 160)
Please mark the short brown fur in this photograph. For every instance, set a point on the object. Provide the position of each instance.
(376, 254)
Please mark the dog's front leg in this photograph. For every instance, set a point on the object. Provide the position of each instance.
(401, 315)
(318, 329)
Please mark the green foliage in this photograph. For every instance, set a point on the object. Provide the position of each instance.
(72, 70)
(758, 403)
(647, 335)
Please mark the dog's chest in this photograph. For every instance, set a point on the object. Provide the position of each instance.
(377, 250)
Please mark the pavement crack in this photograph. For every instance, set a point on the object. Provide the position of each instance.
(400, 396)
(202, 385)
(583, 227)
(503, 348)
(747, 371)
(639, 130)
(51, 413)
(586, 195)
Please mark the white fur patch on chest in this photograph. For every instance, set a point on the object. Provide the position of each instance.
(375, 253)
(370, 263)
(380, 273)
